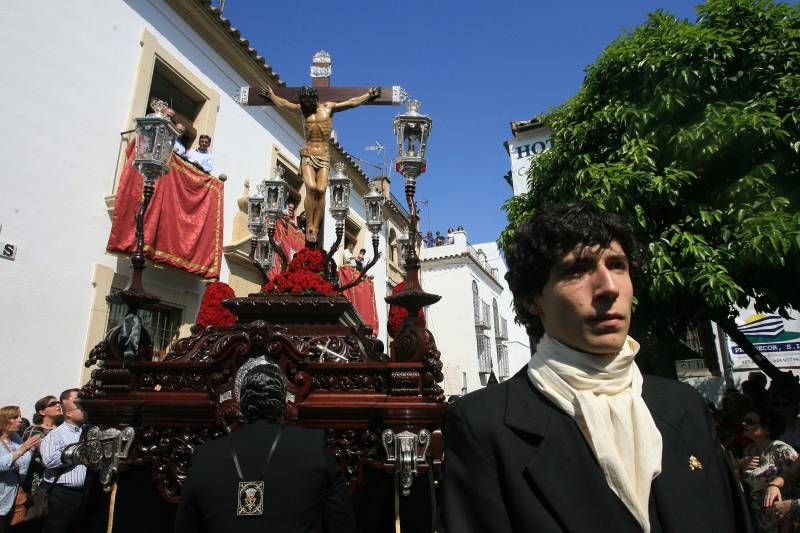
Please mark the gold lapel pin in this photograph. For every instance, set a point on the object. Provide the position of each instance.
(694, 463)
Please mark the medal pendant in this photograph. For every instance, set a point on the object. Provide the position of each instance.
(251, 498)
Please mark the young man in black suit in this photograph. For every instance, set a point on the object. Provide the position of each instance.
(580, 441)
(265, 476)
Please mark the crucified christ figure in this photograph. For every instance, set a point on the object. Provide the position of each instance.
(315, 159)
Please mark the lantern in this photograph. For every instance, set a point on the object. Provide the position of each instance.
(255, 212)
(339, 185)
(155, 138)
(374, 203)
(411, 129)
(274, 191)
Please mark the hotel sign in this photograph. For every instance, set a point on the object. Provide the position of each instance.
(522, 150)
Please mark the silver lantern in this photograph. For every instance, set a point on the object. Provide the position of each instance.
(155, 138)
(412, 129)
(339, 185)
(374, 204)
(274, 192)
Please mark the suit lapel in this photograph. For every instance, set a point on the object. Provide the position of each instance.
(678, 490)
(562, 470)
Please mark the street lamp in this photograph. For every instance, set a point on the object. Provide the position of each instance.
(411, 129)
(155, 138)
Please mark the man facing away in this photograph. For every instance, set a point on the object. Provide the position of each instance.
(580, 441)
(265, 476)
(201, 156)
(66, 484)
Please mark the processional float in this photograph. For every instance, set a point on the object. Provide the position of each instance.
(382, 412)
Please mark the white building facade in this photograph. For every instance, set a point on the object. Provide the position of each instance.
(76, 80)
(473, 323)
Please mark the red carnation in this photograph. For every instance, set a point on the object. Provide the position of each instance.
(303, 275)
(212, 312)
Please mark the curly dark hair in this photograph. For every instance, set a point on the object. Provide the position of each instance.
(543, 240)
(308, 93)
(263, 394)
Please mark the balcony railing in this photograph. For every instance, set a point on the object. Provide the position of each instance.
(483, 318)
(484, 354)
(502, 360)
(501, 333)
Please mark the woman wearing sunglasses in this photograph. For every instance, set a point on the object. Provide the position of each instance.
(764, 460)
(47, 417)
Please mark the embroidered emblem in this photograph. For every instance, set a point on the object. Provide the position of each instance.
(251, 498)
(694, 463)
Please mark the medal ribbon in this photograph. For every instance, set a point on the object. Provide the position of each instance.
(269, 456)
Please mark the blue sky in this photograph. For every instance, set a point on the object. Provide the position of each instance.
(475, 66)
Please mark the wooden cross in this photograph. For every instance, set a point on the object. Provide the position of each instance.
(320, 80)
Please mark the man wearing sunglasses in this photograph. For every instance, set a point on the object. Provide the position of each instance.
(66, 500)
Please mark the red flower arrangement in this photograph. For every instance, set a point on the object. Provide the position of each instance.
(303, 276)
(397, 314)
(212, 312)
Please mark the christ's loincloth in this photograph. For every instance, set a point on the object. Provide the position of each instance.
(316, 162)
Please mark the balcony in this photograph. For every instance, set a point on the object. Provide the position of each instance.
(502, 361)
(484, 354)
(482, 316)
(501, 332)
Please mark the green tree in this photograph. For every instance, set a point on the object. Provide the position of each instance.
(691, 131)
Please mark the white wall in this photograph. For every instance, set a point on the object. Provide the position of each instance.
(66, 94)
(448, 272)
(518, 343)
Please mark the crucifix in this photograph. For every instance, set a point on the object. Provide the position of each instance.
(316, 104)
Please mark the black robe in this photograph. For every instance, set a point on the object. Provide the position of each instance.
(305, 489)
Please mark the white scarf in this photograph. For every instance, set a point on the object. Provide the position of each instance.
(604, 396)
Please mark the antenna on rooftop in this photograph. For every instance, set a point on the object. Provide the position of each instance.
(378, 147)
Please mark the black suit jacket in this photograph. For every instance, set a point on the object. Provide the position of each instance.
(515, 462)
(304, 488)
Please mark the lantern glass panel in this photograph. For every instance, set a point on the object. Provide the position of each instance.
(155, 140)
(255, 210)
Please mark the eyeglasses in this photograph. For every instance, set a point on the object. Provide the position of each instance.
(52, 404)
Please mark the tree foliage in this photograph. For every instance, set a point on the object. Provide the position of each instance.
(691, 131)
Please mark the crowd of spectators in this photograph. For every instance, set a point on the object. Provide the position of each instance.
(31, 468)
(430, 240)
(759, 429)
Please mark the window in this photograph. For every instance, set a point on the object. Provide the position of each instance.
(160, 320)
(393, 251)
(476, 303)
(502, 360)
(167, 85)
(495, 316)
(163, 76)
(484, 354)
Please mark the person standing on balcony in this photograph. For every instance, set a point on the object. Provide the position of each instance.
(201, 156)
